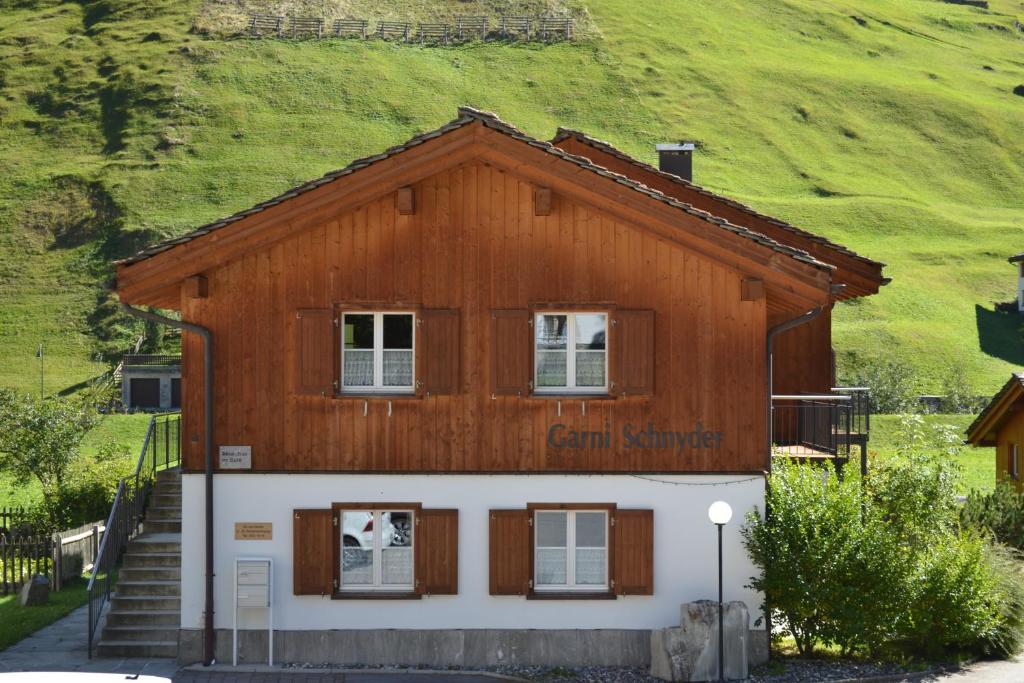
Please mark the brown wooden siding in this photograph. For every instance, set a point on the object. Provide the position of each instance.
(474, 245)
(1011, 432)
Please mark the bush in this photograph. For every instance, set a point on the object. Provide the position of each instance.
(883, 568)
(891, 382)
(1000, 513)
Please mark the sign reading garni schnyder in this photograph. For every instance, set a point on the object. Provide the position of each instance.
(634, 437)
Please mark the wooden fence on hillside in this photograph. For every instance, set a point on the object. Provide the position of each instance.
(459, 30)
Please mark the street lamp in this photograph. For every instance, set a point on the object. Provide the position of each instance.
(39, 355)
(720, 513)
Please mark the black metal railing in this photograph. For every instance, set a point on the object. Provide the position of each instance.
(860, 407)
(161, 449)
(812, 426)
(147, 359)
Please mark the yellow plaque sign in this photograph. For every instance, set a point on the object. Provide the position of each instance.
(254, 531)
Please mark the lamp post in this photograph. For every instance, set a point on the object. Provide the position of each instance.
(720, 513)
(39, 355)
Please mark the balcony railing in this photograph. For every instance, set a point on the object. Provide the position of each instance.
(144, 359)
(823, 427)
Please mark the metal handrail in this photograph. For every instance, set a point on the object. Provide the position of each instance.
(126, 514)
(809, 397)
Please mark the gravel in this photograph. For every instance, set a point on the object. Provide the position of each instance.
(779, 671)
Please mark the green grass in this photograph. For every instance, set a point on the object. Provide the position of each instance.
(17, 622)
(125, 432)
(885, 132)
(978, 464)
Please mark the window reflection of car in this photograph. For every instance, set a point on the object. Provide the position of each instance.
(357, 534)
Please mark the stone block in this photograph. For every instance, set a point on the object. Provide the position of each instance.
(35, 592)
(690, 652)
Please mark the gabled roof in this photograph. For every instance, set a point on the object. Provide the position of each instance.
(466, 116)
(606, 147)
(1002, 406)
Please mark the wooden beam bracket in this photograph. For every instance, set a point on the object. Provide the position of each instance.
(542, 201)
(196, 287)
(752, 289)
(406, 201)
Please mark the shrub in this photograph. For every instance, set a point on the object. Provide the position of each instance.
(891, 382)
(1000, 513)
(884, 567)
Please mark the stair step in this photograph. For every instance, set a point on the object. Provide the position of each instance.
(161, 527)
(171, 500)
(144, 617)
(136, 603)
(120, 634)
(138, 648)
(138, 574)
(164, 514)
(154, 542)
(149, 589)
(147, 559)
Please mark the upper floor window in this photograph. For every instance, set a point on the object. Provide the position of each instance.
(571, 353)
(377, 352)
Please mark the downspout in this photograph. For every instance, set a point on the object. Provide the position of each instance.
(204, 334)
(769, 344)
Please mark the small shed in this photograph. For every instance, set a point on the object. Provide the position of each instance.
(1001, 424)
(151, 382)
(1018, 261)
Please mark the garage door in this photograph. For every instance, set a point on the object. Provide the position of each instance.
(175, 392)
(145, 392)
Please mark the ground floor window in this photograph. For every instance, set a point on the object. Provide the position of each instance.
(377, 550)
(570, 550)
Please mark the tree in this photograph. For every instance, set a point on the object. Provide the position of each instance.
(41, 440)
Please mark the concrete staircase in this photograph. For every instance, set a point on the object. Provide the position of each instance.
(145, 610)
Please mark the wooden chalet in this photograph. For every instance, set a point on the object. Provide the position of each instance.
(1001, 425)
(541, 349)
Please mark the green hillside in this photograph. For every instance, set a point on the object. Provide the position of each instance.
(888, 125)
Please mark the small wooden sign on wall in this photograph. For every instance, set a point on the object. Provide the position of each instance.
(254, 531)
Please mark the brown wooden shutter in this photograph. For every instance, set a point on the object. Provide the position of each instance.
(313, 348)
(633, 351)
(313, 552)
(511, 552)
(440, 344)
(436, 546)
(633, 552)
(511, 352)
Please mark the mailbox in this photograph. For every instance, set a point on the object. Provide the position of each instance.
(253, 589)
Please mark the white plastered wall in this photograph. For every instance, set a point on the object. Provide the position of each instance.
(685, 547)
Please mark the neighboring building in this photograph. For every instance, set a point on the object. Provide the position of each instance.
(483, 389)
(150, 382)
(1001, 425)
(1018, 261)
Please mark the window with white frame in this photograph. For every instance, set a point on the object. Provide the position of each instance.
(377, 352)
(377, 550)
(570, 550)
(571, 353)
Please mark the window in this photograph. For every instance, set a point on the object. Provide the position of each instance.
(1014, 464)
(571, 353)
(377, 550)
(570, 550)
(377, 352)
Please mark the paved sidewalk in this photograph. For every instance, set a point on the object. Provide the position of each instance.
(1010, 671)
(61, 646)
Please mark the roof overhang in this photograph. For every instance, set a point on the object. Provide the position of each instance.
(154, 276)
(861, 276)
(1007, 401)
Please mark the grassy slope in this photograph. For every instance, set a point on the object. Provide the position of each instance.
(889, 137)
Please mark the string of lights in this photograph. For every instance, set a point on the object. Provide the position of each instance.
(696, 483)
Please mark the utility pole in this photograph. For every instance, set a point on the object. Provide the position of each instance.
(39, 355)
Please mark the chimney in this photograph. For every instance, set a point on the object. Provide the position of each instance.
(676, 158)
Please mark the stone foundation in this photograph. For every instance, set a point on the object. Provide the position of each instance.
(442, 648)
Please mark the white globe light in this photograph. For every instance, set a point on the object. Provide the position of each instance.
(720, 512)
